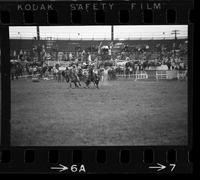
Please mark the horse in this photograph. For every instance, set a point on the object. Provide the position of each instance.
(43, 70)
(112, 74)
(16, 70)
(94, 77)
(71, 77)
(130, 68)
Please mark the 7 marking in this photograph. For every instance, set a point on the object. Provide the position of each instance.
(173, 166)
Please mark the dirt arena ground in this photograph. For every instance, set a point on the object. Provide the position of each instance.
(126, 112)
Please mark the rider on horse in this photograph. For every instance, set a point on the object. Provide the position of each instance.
(91, 73)
(75, 72)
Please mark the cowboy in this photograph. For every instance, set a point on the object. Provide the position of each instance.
(34, 70)
(75, 72)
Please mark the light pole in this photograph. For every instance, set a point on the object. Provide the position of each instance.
(112, 33)
(175, 32)
(38, 44)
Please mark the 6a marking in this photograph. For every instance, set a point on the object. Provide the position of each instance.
(73, 168)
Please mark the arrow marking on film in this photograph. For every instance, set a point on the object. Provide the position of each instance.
(159, 167)
(61, 168)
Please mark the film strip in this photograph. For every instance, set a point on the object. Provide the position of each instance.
(81, 130)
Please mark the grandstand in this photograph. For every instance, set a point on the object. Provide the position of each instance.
(151, 49)
(70, 45)
(119, 42)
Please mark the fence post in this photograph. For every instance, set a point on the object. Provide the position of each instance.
(156, 75)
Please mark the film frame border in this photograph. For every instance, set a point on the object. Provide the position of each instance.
(64, 10)
(17, 154)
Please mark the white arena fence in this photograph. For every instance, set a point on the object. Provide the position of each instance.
(141, 75)
(138, 75)
(34, 76)
(156, 75)
(161, 75)
(182, 75)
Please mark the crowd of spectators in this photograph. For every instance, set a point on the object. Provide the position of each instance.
(173, 55)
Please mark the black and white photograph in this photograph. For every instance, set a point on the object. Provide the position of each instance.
(113, 85)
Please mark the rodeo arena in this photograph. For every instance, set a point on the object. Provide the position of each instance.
(76, 91)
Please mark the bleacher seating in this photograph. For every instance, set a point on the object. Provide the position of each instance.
(70, 45)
